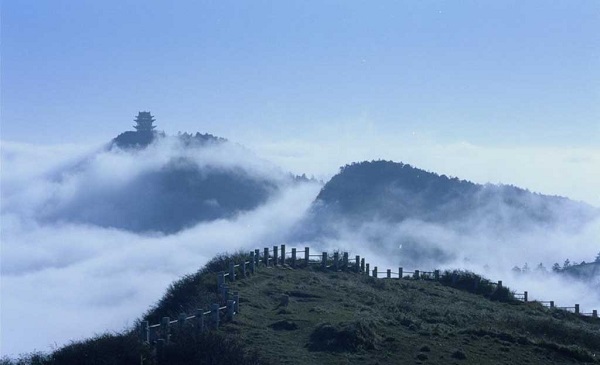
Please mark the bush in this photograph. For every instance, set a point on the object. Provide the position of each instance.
(210, 348)
(351, 337)
(198, 290)
(476, 284)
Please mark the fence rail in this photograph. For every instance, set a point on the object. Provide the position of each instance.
(159, 333)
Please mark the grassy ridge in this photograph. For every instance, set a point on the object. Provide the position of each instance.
(311, 316)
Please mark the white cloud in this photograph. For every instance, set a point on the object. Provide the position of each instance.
(62, 281)
(566, 171)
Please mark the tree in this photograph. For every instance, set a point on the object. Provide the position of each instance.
(541, 268)
(556, 267)
(567, 264)
(144, 122)
(598, 257)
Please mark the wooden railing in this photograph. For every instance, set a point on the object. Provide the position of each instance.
(159, 333)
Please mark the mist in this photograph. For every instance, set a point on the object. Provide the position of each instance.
(63, 279)
(478, 245)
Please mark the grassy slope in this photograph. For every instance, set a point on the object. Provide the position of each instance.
(342, 317)
(380, 321)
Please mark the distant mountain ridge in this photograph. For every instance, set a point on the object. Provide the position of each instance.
(394, 192)
(586, 272)
(171, 196)
(141, 139)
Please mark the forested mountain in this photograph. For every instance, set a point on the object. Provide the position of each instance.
(394, 192)
(170, 183)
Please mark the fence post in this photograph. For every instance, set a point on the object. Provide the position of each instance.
(282, 254)
(324, 260)
(375, 272)
(199, 320)
(293, 257)
(164, 329)
(244, 268)
(215, 314)
(499, 284)
(230, 310)
(181, 321)
(236, 301)
(367, 269)
(436, 275)
(266, 256)
(416, 274)
(275, 254)
(306, 255)
(160, 348)
(257, 256)
(231, 271)
(252, 262)
(576, 308)
(357, 264)
(225, 293)
(362, 265)
(389, 273)
(551, 304)
(336, 257)
(525, 296)
(145, 331)
(220, 280)
(595, 313)
(345, 261)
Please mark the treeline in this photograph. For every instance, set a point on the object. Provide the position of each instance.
(556, 267)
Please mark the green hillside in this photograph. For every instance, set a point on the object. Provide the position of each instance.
(315, 316)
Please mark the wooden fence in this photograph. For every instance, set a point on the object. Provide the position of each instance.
(159, 333)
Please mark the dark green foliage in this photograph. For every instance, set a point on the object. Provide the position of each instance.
(198, 290)
(210, 348)
(459, 355)
(35, 358)
(393, 192)
(221, 262)
(571, 351)
(185, 296)
(106, 349)
(565, 329)
(473, 283)
(284, 325)
(132, 140)
(198, 140)
(587, 272)
(353, 336)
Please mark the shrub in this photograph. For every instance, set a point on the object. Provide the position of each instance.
(353, 336)
(476, 284)
(105, 349)
(210, 348)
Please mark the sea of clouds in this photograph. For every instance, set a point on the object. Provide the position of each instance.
(62, 281)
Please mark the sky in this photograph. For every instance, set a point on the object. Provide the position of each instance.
(501, 92)
(286, 78)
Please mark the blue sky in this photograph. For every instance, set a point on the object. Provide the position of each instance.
(489, 91)
(505, 74)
